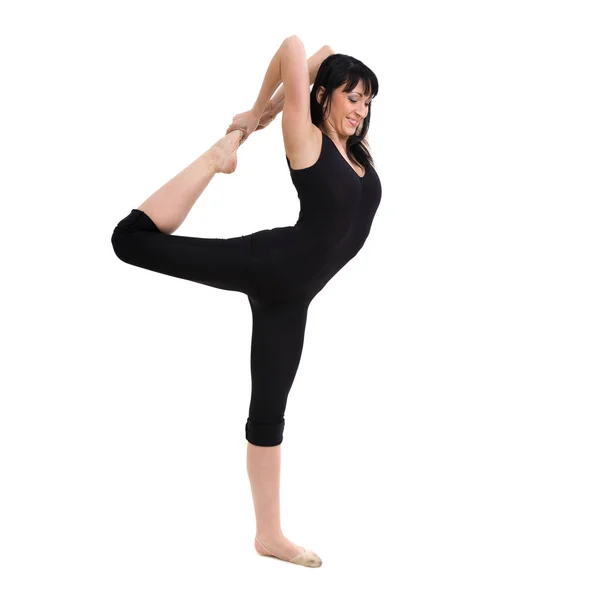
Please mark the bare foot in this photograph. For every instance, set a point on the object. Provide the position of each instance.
(279, 546)
(224, 152)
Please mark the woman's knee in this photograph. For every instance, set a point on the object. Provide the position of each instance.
(136, 220)
(123, 241)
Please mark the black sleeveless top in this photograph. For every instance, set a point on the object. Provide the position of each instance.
(337, 208)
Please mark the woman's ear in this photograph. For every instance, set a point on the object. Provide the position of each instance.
(320, 93)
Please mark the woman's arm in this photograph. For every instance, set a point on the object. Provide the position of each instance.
(314, 62)
(271, 81)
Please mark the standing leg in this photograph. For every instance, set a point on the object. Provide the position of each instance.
(277, 342)
(169, 205)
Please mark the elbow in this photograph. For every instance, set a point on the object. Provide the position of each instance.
(292, 38)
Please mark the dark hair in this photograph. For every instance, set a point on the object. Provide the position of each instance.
(335, 71)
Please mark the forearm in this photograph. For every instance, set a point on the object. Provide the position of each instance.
(271, 81)
(314, 63)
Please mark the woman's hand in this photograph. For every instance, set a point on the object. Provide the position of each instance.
(247, 122)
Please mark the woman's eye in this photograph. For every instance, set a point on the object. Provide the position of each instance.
(355, 101)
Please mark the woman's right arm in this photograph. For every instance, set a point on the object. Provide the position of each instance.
(271, 81)
(314, 63)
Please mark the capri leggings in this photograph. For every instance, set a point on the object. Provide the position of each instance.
(278, 323)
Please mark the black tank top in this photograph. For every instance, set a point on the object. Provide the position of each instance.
(334, 200)
(337, 208)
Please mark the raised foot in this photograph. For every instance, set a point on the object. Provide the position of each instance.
(224, 152)
(284, 549)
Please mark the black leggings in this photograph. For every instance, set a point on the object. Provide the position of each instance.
(278, 325)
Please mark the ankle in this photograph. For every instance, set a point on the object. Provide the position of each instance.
(267, 536)
(211, 158)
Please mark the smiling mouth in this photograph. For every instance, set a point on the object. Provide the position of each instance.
(353, 123)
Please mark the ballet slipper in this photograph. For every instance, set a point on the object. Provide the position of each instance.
(307, 558)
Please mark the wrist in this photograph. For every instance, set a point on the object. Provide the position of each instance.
(276, 107)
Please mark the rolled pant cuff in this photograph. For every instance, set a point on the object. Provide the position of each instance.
(264, 434)
(136, 220)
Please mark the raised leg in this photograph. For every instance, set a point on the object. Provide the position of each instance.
(227, 263)
(170, 204)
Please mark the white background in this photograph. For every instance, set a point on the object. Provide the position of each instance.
(441, 435)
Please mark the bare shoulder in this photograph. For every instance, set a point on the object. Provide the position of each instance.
(305, 151)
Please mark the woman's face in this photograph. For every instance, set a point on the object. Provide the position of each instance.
(348, 110)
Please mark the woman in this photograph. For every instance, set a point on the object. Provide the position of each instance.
(281, 269)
